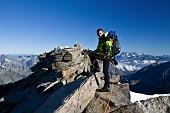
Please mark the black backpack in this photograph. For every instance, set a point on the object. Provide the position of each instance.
(116, 45)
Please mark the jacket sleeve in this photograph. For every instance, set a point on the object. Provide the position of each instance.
(99, 49)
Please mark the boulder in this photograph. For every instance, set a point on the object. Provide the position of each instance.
(154, 105)
(108, 101)
(72, 98)
(63, 82)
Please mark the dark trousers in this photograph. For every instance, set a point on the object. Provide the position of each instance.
(94, 62)
(106, 73)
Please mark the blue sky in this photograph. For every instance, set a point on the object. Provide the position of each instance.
(36, 26)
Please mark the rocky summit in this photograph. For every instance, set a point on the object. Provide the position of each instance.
(62, 82)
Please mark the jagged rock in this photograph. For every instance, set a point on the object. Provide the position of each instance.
(108, 101)
(72, 101)
(45, 86)
(59, 58)
(68, 57)
(154, 105)
(74, 70)
(60, 65)
(42, 57)
(114, 79)
(63, 82)
(97, 105)
(119, 94)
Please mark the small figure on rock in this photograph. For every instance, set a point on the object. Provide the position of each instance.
(108, 47)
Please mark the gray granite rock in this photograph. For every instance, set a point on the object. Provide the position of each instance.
(108, 101)
(72, 98)
(45, 88)
(154, 105)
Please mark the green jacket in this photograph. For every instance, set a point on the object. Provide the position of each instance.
(103, 45)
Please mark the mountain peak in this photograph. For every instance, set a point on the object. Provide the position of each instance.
(63, 78)
(154, 79)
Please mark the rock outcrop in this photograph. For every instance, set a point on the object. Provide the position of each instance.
(105, 102)
(57, 83)
(154, 105)
(63, 82)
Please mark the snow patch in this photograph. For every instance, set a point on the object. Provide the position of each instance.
(7, 60)
(120, 66)
(149, 61)
(130, 68)
(125, 67)
(135, 61)
(138, 96)
(2, 66)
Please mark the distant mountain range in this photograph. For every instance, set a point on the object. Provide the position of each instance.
(130, 62)
(152, 79)
(16, 67)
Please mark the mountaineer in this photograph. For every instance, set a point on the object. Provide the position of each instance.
(108, 47)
